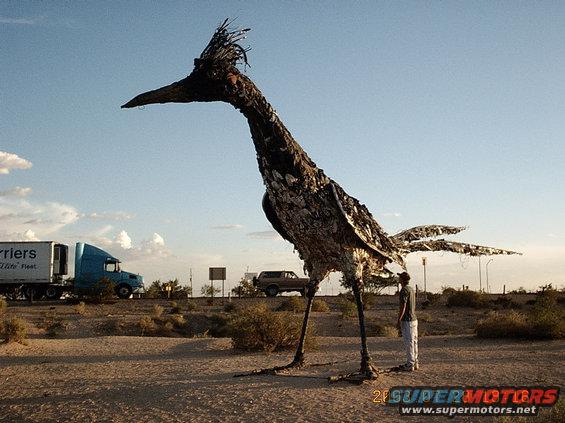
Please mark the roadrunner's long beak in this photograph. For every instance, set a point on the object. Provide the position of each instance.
(177, 92)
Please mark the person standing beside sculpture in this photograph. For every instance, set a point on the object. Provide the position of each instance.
(408, 323)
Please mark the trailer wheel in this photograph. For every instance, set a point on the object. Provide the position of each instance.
(32, 293)
(124, 291)
(52, 293)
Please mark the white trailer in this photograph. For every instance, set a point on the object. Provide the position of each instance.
(37, 265)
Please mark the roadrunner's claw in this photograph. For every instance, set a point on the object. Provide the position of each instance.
(295, 364)
(366, 374)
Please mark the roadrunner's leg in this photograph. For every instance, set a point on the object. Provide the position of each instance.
(298, 360)
(367, 371)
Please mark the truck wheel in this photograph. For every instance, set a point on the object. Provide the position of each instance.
(123, 291)
(271, 291)
(52, 293)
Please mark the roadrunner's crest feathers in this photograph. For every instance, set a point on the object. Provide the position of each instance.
(331, 230)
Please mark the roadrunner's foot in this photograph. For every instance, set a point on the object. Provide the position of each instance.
(295, 364)
(368, 372)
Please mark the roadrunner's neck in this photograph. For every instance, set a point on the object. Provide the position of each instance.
(280, 157)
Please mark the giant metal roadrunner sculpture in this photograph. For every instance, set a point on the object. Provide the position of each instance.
(331, 230)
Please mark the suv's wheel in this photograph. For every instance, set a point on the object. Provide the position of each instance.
(272, 291)
(123, 291)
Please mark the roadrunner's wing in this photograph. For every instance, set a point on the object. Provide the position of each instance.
(427, 231)
(273, 218)
(364, 225)
(455, 247)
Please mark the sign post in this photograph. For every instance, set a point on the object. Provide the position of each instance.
(217, 274)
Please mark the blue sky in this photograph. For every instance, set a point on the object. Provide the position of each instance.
(427, 112)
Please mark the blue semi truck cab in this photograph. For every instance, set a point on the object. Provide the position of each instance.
(93, 264)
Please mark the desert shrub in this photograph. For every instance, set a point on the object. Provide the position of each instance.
(219, 326)
(431, 299)
(14, 329)
(175, 308)
(191, 306)
(80, 308)
(504, 301)
(146, 325)
(102, 291)
(425, 317)
(467, 298)
(347, 308)
(230, 307)
(53, 324)
(3, 305)
(386, 331)
(369, 299)
(447, 290)
(257, 328)
(157, 311)
(247, 290)
(555, 414)
(511, 325)
(165, 329)
(111, 327)
(540, 324)
(177, 320)
(294, 304)
(320, 306)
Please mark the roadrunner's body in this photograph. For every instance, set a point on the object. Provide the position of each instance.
(330, 230)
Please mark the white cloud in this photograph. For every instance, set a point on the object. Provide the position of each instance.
(228, 227)
(392, 214)
(16, 192)
(20, 21)
(9, 161)
(118, 215)
(123, 240)
(42, 219)
(264, 235)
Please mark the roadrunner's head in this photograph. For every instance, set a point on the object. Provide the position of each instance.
(214, 77)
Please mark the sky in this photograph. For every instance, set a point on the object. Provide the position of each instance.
(427, 112)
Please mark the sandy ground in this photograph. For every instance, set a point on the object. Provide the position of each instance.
(134, 379)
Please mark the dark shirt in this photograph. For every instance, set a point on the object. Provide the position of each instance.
(408, 297)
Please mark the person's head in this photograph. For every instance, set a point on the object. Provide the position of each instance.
(404, 278)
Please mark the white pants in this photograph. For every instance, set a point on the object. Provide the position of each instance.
(410, 337)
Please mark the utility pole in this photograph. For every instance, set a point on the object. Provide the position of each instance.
(486, 267)
(480, 276)
(424, 260)
(191, 291)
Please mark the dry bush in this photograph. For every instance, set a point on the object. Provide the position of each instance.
(555, 414)
(431, 299)
(53, 325)
(147, 325)
(467, 298)
(320, 306)
(511, 325)
(191, 306)
(347, 308)
(294, 304)
(230, 307)
(111, 327)
(257, 328)
(3, 305)
(177, 320)
(14, 329)
(157, 311)
(80, 308)
(425, 317)
(175, 308)
(504, 301)
(540, 324)
(386, 331)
